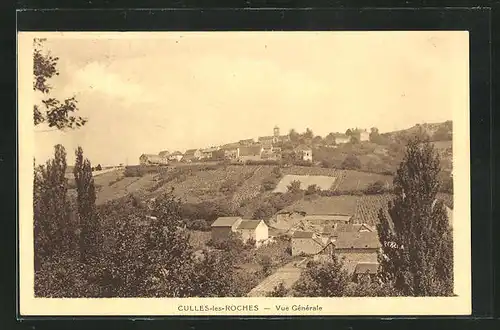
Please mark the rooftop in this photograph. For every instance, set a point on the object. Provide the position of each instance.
(303, 234)
(225, 221)
(249, 224)
(355, 240)
(250, 150)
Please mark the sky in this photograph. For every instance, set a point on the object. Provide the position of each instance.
(144, 93)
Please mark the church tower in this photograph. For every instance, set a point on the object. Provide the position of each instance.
(276, 131)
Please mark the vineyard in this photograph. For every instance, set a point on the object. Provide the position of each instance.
(367, 208)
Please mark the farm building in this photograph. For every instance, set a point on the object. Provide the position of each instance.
(208, 152)
(191, 155)
(150, 159)
(253, 229)
(306, 243)
(250, 153)
(365, 269)
(320, 211)
(304, 152)
(231, 150)
(323, 182)
(247, 229)
(224, 226)
(175, 156)
(356, 247)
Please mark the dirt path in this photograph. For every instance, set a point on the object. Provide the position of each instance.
(288, 275)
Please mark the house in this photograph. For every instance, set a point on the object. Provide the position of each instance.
(304, 152)
(364, 135)
(367, 270)
(320, 211)
(356, 247)
(342, 138)
(266, 140)
(256, 230)
(175, 156)
(306, 243)
(222, 227)
(231, 151)
(191, 155)
(325, 254)
(164, 153)
(247, 153)
(247, 142)
(208, 152)
(351, 227)
(149, 159)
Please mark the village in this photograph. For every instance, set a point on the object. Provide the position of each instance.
(314, 229)
(247, 150)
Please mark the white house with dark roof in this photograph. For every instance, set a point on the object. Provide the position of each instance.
(150, 159)
(256, 230)
(223, 227)
(175, 156)
(304, 152)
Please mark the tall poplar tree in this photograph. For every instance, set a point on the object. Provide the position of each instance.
(50, 207)
(87, 213)
(417, 246)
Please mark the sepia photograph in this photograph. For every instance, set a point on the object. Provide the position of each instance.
(244, 173)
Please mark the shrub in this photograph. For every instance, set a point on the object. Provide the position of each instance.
(377, 187)
(199, 224)
(264, 211)
(279, 291)
(312, 189)
(277, 172)
(228, 186)
(351, 162)
(294, 187)
(269, 184)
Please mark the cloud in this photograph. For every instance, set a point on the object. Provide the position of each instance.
(96, 77)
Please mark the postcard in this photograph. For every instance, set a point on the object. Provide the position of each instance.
(244, 173)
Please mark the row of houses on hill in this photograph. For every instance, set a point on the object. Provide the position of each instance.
(265, 148)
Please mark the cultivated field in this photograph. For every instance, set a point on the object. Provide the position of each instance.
(322, 182)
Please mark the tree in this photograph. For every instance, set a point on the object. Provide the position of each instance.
(417, 247)
(266, 263)
(312, 189)
(351, 162)
(294, 136)
(53, 232)
(87, 213)
(169, 257)
(294, 187)
(54, 113)
(348, 132)
(279, 291)
(376, 187)
(327, 279)
(308, 134)
(213, 275)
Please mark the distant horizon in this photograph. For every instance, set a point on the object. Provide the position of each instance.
(182, 90)
(255, 138)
